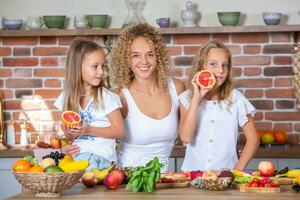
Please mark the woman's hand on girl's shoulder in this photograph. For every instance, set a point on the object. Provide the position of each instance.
(180, 86)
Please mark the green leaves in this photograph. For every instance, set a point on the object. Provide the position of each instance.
(144, 178)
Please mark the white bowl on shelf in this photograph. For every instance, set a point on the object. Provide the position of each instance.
(272, 18)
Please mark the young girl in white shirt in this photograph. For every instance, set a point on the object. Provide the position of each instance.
(85, 92)
(210, 117)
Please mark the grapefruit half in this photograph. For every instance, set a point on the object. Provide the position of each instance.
(206, 79)
(70, 118)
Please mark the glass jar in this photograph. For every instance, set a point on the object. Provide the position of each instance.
(135, 9)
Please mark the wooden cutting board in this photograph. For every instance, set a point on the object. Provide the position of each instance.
(283, 180)
(243, 188)
(173, 185)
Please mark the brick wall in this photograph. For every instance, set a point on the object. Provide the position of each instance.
(32, 74)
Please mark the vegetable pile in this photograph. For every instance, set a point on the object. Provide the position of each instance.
(143, 178)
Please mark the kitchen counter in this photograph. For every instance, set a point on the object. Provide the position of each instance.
(100, 192)
(287, 151)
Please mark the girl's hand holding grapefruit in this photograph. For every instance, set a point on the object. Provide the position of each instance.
(202, 82)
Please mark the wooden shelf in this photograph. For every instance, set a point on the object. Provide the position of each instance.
(164, 31)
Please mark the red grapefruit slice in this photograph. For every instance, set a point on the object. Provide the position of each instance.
(70, 118)
(206, 79)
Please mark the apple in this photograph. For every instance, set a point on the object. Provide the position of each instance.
(89, 179)
(266, 168)
(55, 143)
(210, 174)
(120, 175)
(195, 174)
(46, 162)
(111, 181)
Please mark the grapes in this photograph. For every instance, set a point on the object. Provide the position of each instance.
(55, 156)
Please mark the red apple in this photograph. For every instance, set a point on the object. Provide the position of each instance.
(55, 143)
(120, 175)
(195, 174)
(89, 179)
(266, 168)
(111, 181)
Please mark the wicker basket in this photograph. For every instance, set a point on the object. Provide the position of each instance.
(49, 184)
(220, 183)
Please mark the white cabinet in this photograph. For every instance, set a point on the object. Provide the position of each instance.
(9, 185)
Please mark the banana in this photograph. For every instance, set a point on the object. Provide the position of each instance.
(102, 173)
(75, 166)
(239, 173)
(291, 173)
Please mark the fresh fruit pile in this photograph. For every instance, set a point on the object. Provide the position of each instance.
(55, 143)
(54, 162)
(264, 182)
(96, 176)
(206, 79)
(57, 156)
(70, 118)
(273, 137)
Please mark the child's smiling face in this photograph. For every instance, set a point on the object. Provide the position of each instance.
(218, 62)
(92, 68)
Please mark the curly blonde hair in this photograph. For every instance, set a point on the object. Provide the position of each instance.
(121, 55)
(200, 61)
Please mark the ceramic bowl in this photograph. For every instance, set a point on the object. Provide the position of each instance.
(54, 21)
(97, 21)
(229, 18)
(272, 18)
(12, 24)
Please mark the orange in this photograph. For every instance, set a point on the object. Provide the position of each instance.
(280, 137)
(70, 118)
(259, 134)
(37, 169)
(21, 166)
(206, 79)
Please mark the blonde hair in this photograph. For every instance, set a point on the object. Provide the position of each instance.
(121, 55)
(73, 86)
(200, 61)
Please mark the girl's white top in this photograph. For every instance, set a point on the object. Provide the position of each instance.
(215, 139)
(145, 137)
(96, 117)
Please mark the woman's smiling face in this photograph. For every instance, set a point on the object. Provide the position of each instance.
(142, 58)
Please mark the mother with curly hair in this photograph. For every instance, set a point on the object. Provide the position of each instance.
(149, 96)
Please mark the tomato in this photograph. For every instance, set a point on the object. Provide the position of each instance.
(21, 166)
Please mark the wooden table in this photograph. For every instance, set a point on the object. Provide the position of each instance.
(100, 192)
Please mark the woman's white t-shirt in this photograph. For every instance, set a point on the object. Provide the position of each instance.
(145, 137)
(215, 139)
(97, 118)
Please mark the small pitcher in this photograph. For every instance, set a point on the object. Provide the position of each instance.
(35, 22)
(80, 21)
(163, 22)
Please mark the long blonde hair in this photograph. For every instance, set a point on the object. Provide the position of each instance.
(200, 61)
(121, 55)
(73, 86)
